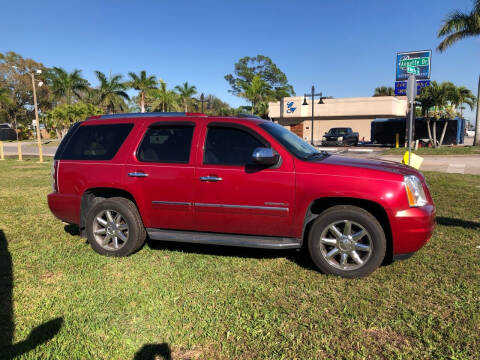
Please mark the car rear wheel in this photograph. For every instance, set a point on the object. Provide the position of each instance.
(114, 227)
(347, 241)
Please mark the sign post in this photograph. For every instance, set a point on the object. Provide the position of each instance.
(411, 95)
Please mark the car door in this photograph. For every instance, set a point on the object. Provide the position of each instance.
(161, 174)
(234, 196)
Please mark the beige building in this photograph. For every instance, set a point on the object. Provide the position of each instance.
(356, 113)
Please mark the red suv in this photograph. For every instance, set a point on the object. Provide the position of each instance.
(235, 181)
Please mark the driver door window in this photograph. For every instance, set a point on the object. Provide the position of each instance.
(229, 146)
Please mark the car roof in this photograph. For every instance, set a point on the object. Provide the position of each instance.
(169, 116)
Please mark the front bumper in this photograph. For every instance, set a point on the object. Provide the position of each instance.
(412, 228)
(332, 143)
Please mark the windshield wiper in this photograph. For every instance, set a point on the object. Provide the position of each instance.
(316, 155)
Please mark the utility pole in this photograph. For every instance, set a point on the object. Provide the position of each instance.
(476, 140)
(202, 100)
(37, 123)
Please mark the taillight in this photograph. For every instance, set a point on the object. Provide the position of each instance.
(54, 175)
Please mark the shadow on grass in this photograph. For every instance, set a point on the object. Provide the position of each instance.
(72, 229)
(299, 257)
(154, 352)
(458, 222)
(41, 334)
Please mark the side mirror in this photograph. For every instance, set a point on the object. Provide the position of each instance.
(265, 156)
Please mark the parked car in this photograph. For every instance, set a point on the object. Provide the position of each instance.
(7, 133)
(235, 181)
(340, 137)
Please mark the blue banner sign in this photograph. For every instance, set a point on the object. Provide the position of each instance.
(419, 61)
(401, 87)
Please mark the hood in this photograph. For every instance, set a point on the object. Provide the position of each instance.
(371, 164)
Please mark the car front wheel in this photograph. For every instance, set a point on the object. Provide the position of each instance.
(347, 241)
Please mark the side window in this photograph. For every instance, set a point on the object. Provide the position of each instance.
(96, 142)
(166, 144)
(229, 146)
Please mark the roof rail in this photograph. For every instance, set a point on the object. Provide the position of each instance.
(151, 114)
(249, 116)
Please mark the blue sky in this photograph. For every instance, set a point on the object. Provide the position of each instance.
(344, 47)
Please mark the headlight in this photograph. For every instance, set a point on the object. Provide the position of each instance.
(415, 194)
(324, 138)
(340, 138)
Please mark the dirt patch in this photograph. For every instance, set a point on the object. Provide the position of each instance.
(196, 353)
(382, 341)
(51, 278)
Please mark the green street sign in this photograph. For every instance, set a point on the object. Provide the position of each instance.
(413, 70)
(420, 61)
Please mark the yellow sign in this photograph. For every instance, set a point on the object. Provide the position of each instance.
(415, 160)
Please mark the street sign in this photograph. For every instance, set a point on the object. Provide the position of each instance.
(411, 88)
(401, 87)
(419, 59)
(413, 70)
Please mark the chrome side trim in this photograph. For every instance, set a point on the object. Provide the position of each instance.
(275, 208)
(137, 174)
(171, 203)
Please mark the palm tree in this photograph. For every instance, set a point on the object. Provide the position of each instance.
(186, 92)
(257, 91)
(461, 96)
(459, 25)
(142, 83)
(67, 85)
(384, 91)
(110, 93)
(163, 99)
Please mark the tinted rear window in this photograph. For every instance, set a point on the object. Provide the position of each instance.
(166, 144)
(96, 142)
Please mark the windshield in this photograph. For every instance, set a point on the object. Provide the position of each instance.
(291, 142)
(338, 131)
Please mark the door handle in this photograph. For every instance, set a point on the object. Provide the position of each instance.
(137, 174)
(210, 178)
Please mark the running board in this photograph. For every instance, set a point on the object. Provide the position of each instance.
(252, 241)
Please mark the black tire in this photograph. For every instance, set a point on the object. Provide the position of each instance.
(361, 221)
(135, 233)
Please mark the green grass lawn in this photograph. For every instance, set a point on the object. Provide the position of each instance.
(202, 302)
(444, 150)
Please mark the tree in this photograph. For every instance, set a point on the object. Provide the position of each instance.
(110, 93)
(63, 116)
(142, 83)
(217, 107)
(458, 25)
(66, 86)
(462, 96)
(5, 97)
(186, 92)
(256, 92)
(384, 91)
(263, 67)
(15, 77)
(441, 101)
